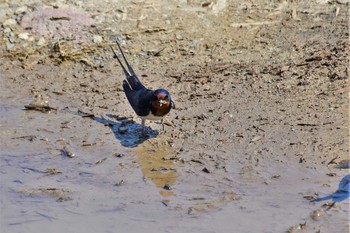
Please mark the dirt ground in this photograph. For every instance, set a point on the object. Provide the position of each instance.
(260, 129)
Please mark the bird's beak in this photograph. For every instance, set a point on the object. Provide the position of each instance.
(161, 102)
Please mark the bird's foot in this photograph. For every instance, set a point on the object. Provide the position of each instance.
(164, 122)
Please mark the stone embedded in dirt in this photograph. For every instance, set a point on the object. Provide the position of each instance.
(206, 170)
(41, 106)
(9, 22)
(97, 39)
(66, 151)
(21, 9)
(41, 41)
(119, 155)
(120, 183)
(10, 46)
(167, 187)
(24, 36)
(8, 32)
(66, 24)
(317, 214)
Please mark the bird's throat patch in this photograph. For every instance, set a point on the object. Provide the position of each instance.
(157, 106)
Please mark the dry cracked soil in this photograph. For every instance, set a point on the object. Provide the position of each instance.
(258, 141)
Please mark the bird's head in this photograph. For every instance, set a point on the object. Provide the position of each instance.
(161, 99)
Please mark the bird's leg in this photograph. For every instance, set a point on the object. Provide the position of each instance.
(143, 127)
(162, 122)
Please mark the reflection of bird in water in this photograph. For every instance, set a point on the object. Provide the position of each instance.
(342, 193)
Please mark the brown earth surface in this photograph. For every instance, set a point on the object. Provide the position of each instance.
(261, 124)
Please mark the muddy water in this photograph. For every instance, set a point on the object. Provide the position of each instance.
(155, 160)
(98, 205)
(145, 188)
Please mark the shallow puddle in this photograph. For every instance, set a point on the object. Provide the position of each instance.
(150, 188)
(156, 163)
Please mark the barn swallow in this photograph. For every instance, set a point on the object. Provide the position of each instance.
(147, 104)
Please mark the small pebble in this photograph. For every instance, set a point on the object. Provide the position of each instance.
(97, 39)
(167, 187)
(205, 170)
(322, 1)
(342, 1)
(9, 22)
(119, 155)
(10, 46)
(24, 36)
(67, 152)
(317, 214)
(206, 88)
(41, 41)
(21, 9)
(179, 36)
(13, 39)
(120, 183)
(8, 31)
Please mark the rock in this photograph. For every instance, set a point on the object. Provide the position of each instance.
(322, 1)
(219, 6)
(41, 41)
(205, 170)
(10, 46)
(119, 155)
(24, 36)
(206, 88)
(179, 36)
(9, 22)
(13, 39)
(66, 151)
(8, 32)
(317, 214)
(21, 9)
(97, 39)
(342, 1)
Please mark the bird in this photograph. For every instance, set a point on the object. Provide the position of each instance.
(147, 104)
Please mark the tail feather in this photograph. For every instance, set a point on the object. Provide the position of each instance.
(121, 64)
(131, 77)
(126, 61)
(128, 92)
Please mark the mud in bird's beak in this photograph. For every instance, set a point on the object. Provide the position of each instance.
(161, 102)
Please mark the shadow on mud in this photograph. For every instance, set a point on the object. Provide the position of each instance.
(155, 157)
(127, 131)
(342, 193)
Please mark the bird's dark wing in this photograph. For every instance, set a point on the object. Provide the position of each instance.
(133, 81)
(138, 99)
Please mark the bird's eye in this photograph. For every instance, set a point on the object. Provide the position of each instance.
(166, 97)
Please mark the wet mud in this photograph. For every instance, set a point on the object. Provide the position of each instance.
(258, 142)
